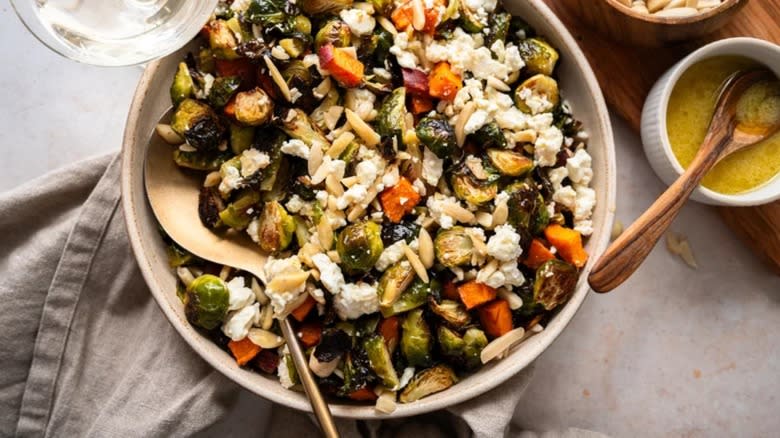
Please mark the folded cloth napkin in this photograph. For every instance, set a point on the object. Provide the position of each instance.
(85, 351)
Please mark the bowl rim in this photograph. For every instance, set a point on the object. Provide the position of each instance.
(505, 369)
(673, 21)
(763, 194)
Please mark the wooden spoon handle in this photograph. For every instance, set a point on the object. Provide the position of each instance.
(631, 248)
(318, 403)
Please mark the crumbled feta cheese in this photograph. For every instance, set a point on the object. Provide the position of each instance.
(253, 160)
(330, 273)
(361, 101)
(487, 5)
(366, 172)
(477, 120)
(579, 167)
(329, 166)
(405, 378)
(238, 323)
(281, 300)
(285, 379)
(296, 148)
(433, 167)
(354, 195)
(548, 143)
(400, 49)
(253, 229)
(355, 300)
(507, 275)
(566, 196)
(536, 102)
(501, 198)
(231, 180)
(295, 204)
(466, 53)
(435, 204)
(583, 209)
(279, 53)
(390, 256)
(391, 177)
(419, 187)
(295, 94)
(359, 21)
(504, 245)
(556, 177)
(240, 295)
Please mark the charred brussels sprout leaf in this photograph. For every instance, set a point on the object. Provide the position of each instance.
(317, 7)
(452, 312)
(462, 352)
(254, 107)
(427, 382)
(198, 124)
(392, 113)
(394, 283)
(470, 189)
(392, 232)
(380, 361)
(236, 215)
(270, 142)
(209, 161)
(183, 87)
(357, 371)
(539, 56)
(301, 186)
(453, 247)
(209, 206)
(297, 75)
(490, 136)
(476, 341)
(333, 344)
(413, 297)
(298, 125)
(539, 87)
(377, 46)
(276, 227)
(241, 138)
(437, 135)
(416, 341)
(266, 12)
(555, 283)
(499, 28)
(223, 89)
(178, 256)
(206, 301)
(360, 245)
(510, 163)
(335, 32)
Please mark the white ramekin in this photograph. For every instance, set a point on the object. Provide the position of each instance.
(654, 137)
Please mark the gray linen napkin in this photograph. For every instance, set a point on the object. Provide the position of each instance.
(85, 351)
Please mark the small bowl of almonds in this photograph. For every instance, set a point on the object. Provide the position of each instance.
(656, 23)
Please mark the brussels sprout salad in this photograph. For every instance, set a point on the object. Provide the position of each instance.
(410, 168)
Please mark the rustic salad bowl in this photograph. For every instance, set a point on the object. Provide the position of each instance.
(579, 87)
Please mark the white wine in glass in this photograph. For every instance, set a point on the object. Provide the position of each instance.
(114, 32)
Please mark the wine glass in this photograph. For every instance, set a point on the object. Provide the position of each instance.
(114, 32)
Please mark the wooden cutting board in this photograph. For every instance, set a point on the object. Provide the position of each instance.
(627, 74)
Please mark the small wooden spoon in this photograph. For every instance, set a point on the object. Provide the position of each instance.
(726, 135)
(173, 195)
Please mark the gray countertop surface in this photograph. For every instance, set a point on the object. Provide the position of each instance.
(673, 352)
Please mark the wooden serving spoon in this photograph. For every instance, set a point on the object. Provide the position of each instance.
(173, 195)
(725, 136)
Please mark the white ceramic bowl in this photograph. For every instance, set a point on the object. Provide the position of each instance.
(654, 137)
(152, 100)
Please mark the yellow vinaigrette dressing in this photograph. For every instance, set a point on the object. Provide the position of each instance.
(688, 116)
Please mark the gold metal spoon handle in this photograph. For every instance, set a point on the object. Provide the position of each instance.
(318, 404)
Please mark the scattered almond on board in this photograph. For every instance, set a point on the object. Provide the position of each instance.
(671, 8)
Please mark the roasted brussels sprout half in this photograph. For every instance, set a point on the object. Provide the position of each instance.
(392, 114)
(254, 107)
(298, 125)
(437, 135)
(490, 136)
(360, 245)
(413, 297)
(197, 160)
(297, 75)
(380, 361)
(198, 124)
(416, 340)
(510, 163)
(223, 89)
(206, 301)
(499, 28)
(527, 210)
(452, 312)
(322, 7)
(393, 284)
(241, 138)
(555, 283)
(427, 382)
(376, 47)
(210, 204)
(335, 32)
(178, 256)
(222, 40)
(183, 87)
(469, 19)
(276, 228)
(236, 215)
(395, 232)
(468, 188)
(539, 56)
(462, 352)
(539, 87)
(453, 247)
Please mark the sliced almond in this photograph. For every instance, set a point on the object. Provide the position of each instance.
(418, 15)
(333, 185)
(501, 344)
(457, 212)
(514, 300)
(262, 298)
(484, 219)
(267, 317)
(323, 88)
(387, 25)
(288, 282)
(426, 250)
(385, 403)
(325, 234)
(278, 79)
(500, 214)
(340, 144)
(362, 129)
(224, 273)
(168, 134)
(315, 158)
(212, 179)
(460, 124)
(185, 275)
(417, 264)
(265, 339)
